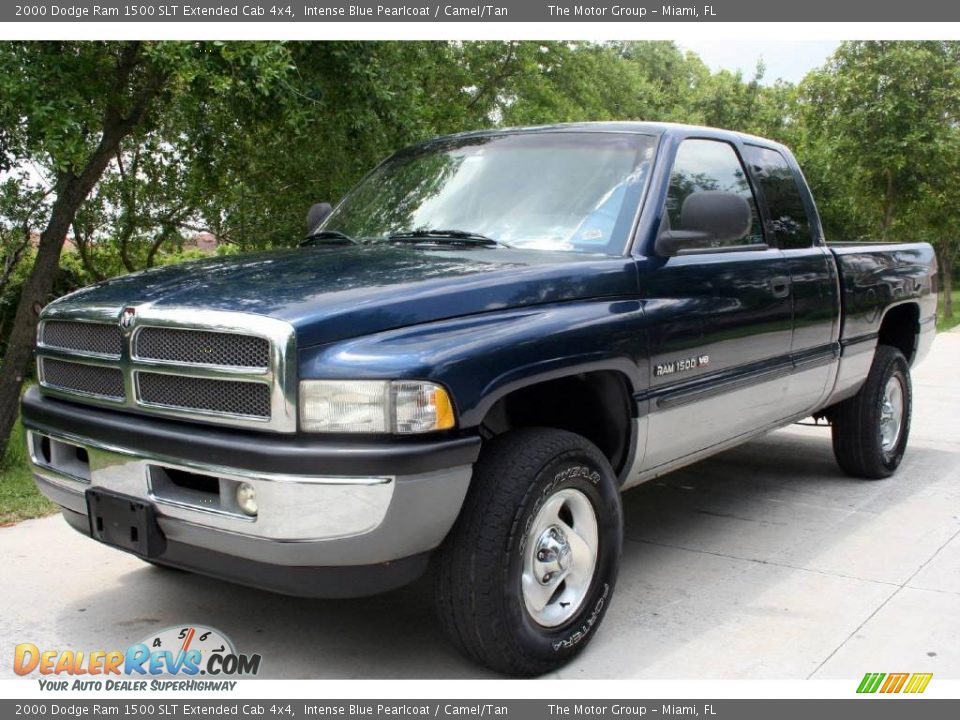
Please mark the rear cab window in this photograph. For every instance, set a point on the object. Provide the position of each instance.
(789, 222)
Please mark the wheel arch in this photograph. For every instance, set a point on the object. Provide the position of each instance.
(594, 400)
(900, 328)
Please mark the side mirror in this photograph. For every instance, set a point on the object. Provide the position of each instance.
(707, 217)
(316, 215)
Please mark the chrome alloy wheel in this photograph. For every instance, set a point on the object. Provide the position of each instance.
(560, 555)
(891, 414)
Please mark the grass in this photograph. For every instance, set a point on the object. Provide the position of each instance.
(19, 497)
(945, 324)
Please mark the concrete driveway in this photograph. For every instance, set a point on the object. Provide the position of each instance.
(763, 562)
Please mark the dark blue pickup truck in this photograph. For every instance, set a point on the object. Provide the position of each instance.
(465, 363)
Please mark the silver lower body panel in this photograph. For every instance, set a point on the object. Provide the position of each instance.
(300, 520)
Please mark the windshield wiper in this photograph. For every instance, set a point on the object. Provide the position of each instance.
(328, 237)
(446, 237)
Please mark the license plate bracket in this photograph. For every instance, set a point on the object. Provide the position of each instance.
(124, 522)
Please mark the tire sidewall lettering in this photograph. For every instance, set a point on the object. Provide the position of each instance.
(580, 473)
(573, 472)
(588, 624)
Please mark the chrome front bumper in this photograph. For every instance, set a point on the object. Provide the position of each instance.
(301, 520)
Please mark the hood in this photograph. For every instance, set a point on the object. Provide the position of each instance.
(332, 293)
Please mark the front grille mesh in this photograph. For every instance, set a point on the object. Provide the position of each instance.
(86, 379)
(212, 371)
(203, 347)
(251, 399)
(88, 337)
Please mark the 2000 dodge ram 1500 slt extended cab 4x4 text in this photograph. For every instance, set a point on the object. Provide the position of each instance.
(465, 363)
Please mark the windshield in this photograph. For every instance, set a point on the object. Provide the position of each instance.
(573, 191)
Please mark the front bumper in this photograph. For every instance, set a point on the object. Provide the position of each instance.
(334, 518)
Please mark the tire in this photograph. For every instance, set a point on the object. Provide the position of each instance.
(530, 488)
(860, 444)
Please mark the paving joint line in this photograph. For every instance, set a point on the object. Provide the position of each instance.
(761, 561)
(935, 590)
(880, 607)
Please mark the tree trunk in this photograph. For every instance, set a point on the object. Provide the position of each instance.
(167, 229)
(12, 260)
(35, 292)
(126, 232)
(946, 268)
(15, 254)
(83, 250)
(129, 200)
(72, 189)
(889, 203)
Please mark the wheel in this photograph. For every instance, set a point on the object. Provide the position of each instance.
(870, 430)
(528, 570)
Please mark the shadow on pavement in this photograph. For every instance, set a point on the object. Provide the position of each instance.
(779, 499)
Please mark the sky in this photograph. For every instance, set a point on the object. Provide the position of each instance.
(785, 59)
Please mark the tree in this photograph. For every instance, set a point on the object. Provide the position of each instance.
(348, 105)
(131, 146)
(21, 205)
(879, 111)
(69, 106)
(936, 214)
(148, 196)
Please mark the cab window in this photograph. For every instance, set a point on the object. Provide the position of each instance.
(789, 223)
(710, 165)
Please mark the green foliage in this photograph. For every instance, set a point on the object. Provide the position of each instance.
(239, 138)
(19, 497)
(877, 116)
(246, 136)
(945, 323)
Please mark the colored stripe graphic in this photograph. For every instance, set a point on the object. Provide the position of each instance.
(894, 683)
(870, 682)
(918, 682)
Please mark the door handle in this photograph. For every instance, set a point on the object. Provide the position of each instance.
(780, 287)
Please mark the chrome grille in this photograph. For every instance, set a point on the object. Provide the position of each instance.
(105, 382)
(214, 366)
(232, 397)
(202, 347)
(98, 338)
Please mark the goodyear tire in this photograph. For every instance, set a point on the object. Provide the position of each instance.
(526, 574)
(870, 430)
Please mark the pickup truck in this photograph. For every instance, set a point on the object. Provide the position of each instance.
(464, 364)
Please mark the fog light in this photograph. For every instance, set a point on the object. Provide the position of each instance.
(247, 498)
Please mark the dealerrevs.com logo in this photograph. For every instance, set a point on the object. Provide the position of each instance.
(186, 651)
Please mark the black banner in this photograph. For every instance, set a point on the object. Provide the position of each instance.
(629, 11)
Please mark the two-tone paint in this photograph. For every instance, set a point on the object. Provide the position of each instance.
(775, 324)
(756, 337)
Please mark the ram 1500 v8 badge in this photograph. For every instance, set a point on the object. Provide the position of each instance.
(465, 363)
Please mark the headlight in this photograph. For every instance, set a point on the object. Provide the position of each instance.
(421, 407)
(374, 406)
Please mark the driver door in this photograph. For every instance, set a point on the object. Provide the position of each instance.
(720, 319)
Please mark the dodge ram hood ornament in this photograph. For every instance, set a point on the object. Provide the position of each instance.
(126, 317)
